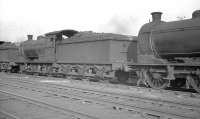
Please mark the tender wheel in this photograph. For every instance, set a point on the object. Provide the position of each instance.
(122, 76)
(194, 81)
(178, 83)
(156, 80)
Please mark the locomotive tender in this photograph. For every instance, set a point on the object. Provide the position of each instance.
(69, 52)
(164, 54)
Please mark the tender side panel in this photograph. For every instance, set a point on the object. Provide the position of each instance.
(84, 52)
(118, 51)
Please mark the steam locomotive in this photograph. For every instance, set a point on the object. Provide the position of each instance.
(164, 54)
(168, 53)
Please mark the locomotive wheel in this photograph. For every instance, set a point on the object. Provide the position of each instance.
(194, 81)
(156, 81)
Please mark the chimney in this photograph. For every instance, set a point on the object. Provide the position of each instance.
(196, 14)
(156, 16)
(30, 37)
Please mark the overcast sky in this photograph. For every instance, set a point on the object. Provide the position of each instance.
(21, 17)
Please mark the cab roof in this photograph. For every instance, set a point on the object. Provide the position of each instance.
(67, 32)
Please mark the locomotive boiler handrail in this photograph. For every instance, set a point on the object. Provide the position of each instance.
(176, 29)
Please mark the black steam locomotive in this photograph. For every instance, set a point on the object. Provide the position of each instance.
(164, 54)
(168, 53)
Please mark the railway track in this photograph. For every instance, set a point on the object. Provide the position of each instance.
(145, 108)
(71, 104)
(186, 93)
(130, 91)
(14, 106)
